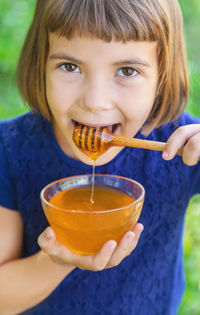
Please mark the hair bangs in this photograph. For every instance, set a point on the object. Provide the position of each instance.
(102, 19)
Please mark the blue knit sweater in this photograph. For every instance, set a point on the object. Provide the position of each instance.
(148, 282)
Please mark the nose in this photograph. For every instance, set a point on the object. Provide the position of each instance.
(97, 95)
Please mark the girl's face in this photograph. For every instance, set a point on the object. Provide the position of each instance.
(99, 84)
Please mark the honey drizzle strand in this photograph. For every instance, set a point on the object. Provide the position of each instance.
(93, 176)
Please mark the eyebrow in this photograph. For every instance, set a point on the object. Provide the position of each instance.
(135, 61)
(62, 56)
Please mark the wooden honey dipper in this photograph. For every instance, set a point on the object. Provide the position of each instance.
(93, 140)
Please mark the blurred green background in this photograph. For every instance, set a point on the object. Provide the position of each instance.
(15, 17)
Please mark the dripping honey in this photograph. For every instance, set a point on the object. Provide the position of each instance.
(93, 156)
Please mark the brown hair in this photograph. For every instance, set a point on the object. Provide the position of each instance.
(122, 20)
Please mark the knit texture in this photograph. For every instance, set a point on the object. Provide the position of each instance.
(150, 281)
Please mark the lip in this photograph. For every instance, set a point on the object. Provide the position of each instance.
(98, 119)
(94, 124)
(114, 127)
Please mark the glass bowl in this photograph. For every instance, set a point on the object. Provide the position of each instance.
(84, 231)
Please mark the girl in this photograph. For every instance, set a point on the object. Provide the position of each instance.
(100, 63)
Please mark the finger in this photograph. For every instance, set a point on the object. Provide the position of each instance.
(126, 245)
(138, 230)
(101, 259)
(191, 150)
(58, 253)
(178, 139)
(47, 239)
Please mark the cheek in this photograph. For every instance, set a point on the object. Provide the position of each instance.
(137, 104)
(59, 97)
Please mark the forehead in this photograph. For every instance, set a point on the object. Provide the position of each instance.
(86, 48)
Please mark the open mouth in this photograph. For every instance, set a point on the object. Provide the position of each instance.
(113, 128)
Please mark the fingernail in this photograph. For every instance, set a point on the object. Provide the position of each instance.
(48, 234)
(165, 155)
(140, 227)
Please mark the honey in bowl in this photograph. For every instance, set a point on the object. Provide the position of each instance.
(84, 227)
(105, 198)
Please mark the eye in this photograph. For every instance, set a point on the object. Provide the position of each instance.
(127, 72)
(70, 67)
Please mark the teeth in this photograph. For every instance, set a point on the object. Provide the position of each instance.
(112, 128)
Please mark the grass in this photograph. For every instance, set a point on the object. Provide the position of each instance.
(15, 17)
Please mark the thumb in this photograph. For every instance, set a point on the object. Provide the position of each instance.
(47, 239)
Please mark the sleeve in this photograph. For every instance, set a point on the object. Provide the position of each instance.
(7, 191)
